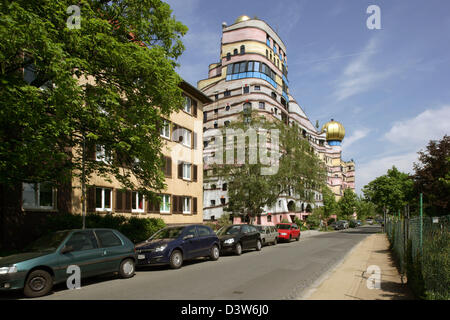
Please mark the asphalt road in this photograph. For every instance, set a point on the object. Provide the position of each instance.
(284, 271)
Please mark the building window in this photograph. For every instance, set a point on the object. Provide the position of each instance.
(257, 88)
(165, 129)
(38, 196)
(227, 108)
(101, 154)
(186, 205)
(226, 123)
(103, 199)
(216, 96)
(262, 105)
(269, 218)
(228, 56)
(186, 135)
(165, 204)
(216, 124)
(227, 93)
(235, 51)
(137, 202)
(213, 203)
(274, 95)
(187, 104)
(242, 49)
(187, 171)
(246, 89)
(222, 201)
(224, 187)
(216, 111)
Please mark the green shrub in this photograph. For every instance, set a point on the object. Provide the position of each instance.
(136, 229)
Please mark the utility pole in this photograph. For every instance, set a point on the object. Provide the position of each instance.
(83, 181)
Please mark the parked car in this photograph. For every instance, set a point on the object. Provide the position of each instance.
(288, 231)
(369, 221)
(45, 262)
(269, 234)
(358, 223)
(355, 223)
(173, 245)
(345, 223)
(239, 237)
(340, 225)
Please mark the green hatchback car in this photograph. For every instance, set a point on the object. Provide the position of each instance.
(46, 261)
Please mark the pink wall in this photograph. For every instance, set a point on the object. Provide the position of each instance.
(244, 34)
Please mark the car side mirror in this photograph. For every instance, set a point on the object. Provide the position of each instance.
(189, 236)
(66, 249)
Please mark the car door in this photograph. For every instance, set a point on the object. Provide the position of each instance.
(246, 237)
(206, 239)
(191, 243)
(112, 250)
(254, 236)
(85, 253)
(296, 231)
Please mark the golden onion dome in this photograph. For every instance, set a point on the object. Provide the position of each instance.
(335, 130)
(242, 18)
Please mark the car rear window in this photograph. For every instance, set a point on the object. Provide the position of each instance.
(108, 238)
(283, 226)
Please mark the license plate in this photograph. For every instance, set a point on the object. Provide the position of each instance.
(141, 256)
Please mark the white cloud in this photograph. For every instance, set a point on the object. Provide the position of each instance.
(359, 76)
(432, 124)
(366, 172)
(357, 135)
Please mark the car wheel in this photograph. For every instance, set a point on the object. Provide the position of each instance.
(127, 268)
(214, 255)
(238, 249)
(290, 238)
(275, 241)
(38, 284)
(258, 245)
(176, 259)
(298, 238)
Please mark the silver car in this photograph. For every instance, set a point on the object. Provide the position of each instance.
(269, 234)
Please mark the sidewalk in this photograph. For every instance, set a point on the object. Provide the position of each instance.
(349, 280)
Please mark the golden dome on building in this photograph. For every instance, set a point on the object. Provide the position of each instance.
(242, 18)
(335, 130)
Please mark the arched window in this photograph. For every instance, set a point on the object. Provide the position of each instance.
(227, 108)
(228, 56)
(242, 49)
(235, 51)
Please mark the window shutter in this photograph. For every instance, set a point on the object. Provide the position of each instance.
(180, 170)
(119, 200)
(195, 107)
(194, 206)
(174, 204)
(194, 174)
(90, 195)
(194, 140)
(127, 204)
(180, 204)
(168, 167)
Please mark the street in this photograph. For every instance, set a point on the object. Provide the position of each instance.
(283, 271)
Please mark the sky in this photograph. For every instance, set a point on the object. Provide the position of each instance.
(389, 87)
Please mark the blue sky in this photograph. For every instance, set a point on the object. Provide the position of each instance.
(390, 88)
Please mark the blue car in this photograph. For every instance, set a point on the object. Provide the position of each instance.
(173, 245)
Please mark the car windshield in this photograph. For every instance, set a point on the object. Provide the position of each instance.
(283, 226)
(167, 233)
(229, 230)
(49, 242)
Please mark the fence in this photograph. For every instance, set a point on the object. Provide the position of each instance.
(422, 253)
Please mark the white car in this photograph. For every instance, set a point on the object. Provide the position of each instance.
(269, 234)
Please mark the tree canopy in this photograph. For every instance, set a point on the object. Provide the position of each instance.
(127, 49)
(298, 171)
(432, 177)
(347, 204)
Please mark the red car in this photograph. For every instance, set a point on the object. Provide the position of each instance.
(288, 231)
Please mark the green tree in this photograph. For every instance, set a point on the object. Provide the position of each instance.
(364, 208)
(391, 191)
(330, 205)
(432, 177)
(347, 204)
(299, 170)
(127, 49)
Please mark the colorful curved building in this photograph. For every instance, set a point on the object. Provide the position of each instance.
(253, 74)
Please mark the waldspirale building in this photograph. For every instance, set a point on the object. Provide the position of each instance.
(252, 74)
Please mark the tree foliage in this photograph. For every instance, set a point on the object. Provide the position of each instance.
(432, 177)
(391, 191)
(127, 49)
(347, 204)
(299, 171)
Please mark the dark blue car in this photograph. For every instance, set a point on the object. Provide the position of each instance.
(173, 245)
